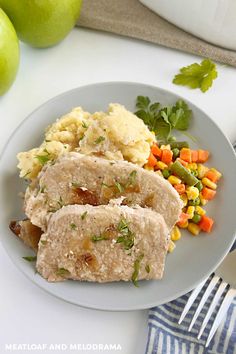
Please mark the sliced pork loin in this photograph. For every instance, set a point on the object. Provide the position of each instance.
(80, 179)
(27, 232)
(103, 244)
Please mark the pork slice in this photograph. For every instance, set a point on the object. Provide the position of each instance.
(103, 244)
(81, 179)
(27, 232)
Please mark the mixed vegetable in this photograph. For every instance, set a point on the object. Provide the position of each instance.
(183, 167)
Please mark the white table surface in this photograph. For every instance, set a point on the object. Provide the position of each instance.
(27, 313)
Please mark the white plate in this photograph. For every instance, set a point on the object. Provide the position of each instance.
(194, 257)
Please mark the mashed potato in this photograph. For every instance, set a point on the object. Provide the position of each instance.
(117, 135)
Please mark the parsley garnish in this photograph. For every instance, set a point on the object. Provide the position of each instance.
(119, 186)
(197, 75)
(99, 140)
(62, 272)
(30, 258)
(132, 178)
(127, 237)
(163, 120)
(60, 202)
(84, 125)
(44, 242)
(98, 238)
(147, 268)
(42, 159)
(83, 216)
(136, 269)
(73, 226)
(42, 189)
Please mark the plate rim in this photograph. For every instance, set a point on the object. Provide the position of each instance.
(133, 307)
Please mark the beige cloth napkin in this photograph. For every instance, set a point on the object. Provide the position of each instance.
(130, 18)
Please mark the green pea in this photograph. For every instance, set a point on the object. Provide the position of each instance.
(199, 186)
(196, 218)
(166, 173)
(175, 153)
(194, 202)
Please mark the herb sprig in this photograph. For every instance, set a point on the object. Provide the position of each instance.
(197, 75)
(30, 258)
(126, 236)
(137, 264)
(163, 120)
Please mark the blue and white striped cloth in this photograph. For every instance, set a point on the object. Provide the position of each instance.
(166, 336)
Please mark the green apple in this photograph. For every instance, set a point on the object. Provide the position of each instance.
(42, 23)
(9, 53)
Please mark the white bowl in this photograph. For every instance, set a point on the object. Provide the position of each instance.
(211, 20)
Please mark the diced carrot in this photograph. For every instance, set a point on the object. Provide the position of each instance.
(182, 219)
(212, 176)
(166, 156)
(203, 155)
(180, 188)
(194, 155)
(185, 154)
(156, 151)
(206, 223)
(184, 163)
(208, 193)
(152, 161)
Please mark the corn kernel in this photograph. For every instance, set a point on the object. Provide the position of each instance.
(190, 211)
(194, 228)
(200, 210)
(175, 234)
(192, 166)
(174, 180)
(161, 165)
(202, 170)
(203, 201)
(184, 198)
(207, 182)
(171, 246)
(165, 147)
(185, 225)
(149, 168)
(219, 175)
(192, 193)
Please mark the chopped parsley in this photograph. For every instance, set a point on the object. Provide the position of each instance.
(120, 187)
(99, 139)
(84, 125)
(136, 269)
(73, 226)
(132, 179)
(60, 202)
(62, 272)
(147, 268)
(42, 189)
(30, 258)
(126, 236)
(43, 159)
(44, 242)
(98, 238)
(83, 216)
